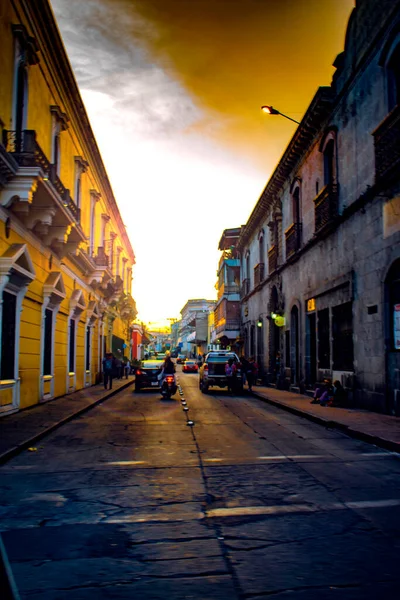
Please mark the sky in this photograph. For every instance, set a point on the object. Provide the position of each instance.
(173, 90)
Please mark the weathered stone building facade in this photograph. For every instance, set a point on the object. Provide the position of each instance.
(320, 283)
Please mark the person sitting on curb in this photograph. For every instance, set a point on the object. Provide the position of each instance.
(323, 394)
(339, 395)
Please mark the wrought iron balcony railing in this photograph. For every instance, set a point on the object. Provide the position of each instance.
(244, 290)
(231, 288)
(102, 259)
(387, 146)
(273, 258)
(258, 273)
(326, 207)
(22, 145)
(293, 239)
(228, 325)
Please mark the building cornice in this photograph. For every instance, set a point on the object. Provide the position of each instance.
(310, 126)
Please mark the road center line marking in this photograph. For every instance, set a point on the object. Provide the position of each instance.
(237, 511)
(298, 508)
(124, 463)
(292, 457)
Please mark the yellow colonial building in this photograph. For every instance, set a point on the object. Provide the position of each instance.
(65, 257)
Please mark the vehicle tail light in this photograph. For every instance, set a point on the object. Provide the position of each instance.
(138, 372)
(170, 379)
(206, 367)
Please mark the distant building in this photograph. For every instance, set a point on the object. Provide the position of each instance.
(65, 257)
(320, 272)
(175, 325)
(226, 333)
(193, 331)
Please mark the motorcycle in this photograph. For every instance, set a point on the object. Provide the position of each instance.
(169, 387)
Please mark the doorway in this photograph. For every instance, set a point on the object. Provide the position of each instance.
(294, 345)
(311, 348)
(392, 339)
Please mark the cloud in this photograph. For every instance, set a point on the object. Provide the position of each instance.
(173, 90)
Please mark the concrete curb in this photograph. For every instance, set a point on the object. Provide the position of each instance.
(331, 424)
(8, 454)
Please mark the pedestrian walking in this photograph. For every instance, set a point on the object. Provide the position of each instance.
(251, 373)
(244, 366)
(108, 370)
(118, 368)
(127, 367)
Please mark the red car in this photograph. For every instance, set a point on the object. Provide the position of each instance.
(190, 366)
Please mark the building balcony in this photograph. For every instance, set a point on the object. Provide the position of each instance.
(229, 259)
(102, 273)
(8, 167)
(227, 290)
(258, 273)
(326, 207)
(245, 289)
(273, 258)
(293, 239)
(387, 146)
(101, 258)
(228, 327)
(37, 196)
(24, 148)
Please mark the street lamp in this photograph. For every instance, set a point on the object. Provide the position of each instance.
(270, 110)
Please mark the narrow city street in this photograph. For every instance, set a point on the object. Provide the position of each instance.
(131, 501)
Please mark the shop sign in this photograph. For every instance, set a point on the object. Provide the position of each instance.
(280, 321)
(310, 304)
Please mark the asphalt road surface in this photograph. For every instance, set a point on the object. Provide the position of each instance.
(129, 501)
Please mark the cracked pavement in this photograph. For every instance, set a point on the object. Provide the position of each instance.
(252, 502)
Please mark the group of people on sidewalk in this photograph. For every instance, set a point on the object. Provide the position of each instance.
(328, 394)
(249, 372)
(114, 368)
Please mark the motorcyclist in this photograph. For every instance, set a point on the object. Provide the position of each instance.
(168, 368)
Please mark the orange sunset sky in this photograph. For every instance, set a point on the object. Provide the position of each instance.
(173, 90)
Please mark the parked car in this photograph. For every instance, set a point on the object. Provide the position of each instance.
(190, 366)
(147, 374)
(181, 359)
(212, 371)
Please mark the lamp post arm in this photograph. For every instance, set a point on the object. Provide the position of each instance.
(290, 118)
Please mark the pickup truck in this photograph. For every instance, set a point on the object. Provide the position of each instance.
(212, 371)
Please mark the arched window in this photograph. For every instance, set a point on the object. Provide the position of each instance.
(329, 162)
(328, 148)
(261, 248)
(248, 265)
(296, 205)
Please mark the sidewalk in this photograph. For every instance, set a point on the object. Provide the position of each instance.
(23, 429)
(371, 427)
